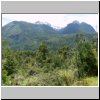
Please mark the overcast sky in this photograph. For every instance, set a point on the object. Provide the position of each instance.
(56, 20)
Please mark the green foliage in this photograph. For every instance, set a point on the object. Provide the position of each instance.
(68, 76)
(86, 59)
(5, 78)
(87, 81)
(41, 52)
(10, 65)
(65, 52)
(65, 66)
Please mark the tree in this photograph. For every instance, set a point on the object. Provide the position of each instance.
(88, 59)
(85, 57)
(41, 53)
(6, 50)
(65, 52)
(11, 65)
(5, 78)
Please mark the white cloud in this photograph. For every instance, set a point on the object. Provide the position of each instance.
(59, 20)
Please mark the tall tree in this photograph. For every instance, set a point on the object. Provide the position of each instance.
(42, 52)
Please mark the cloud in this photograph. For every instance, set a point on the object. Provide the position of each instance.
(59, 20)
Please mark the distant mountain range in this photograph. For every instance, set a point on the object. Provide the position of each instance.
(24, 35)
(76, 27)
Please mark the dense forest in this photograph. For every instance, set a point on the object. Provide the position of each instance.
(66, 66)
(39, 55)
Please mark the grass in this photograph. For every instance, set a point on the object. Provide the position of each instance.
(88, 81)
(91, 81)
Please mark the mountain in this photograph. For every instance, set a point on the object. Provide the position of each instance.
(76, 27)
(27, 36)
(19, 27)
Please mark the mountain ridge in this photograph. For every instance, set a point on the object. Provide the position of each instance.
(42, 23)
(25, 35)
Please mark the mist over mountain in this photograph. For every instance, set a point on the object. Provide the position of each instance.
(25, 35)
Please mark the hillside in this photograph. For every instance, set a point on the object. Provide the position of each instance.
(23, 35)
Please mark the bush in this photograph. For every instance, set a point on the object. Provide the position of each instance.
(68, 76)
(5, 78)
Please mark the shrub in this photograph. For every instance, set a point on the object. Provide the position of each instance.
(68, 76)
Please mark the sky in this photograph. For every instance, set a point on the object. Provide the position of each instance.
(56, 20)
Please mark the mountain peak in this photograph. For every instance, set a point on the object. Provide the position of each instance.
(76, 22)
(77, 27)
(38, 22)
(14, 22)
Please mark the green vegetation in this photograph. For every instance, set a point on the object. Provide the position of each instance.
(64, 66)
(21, 35)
